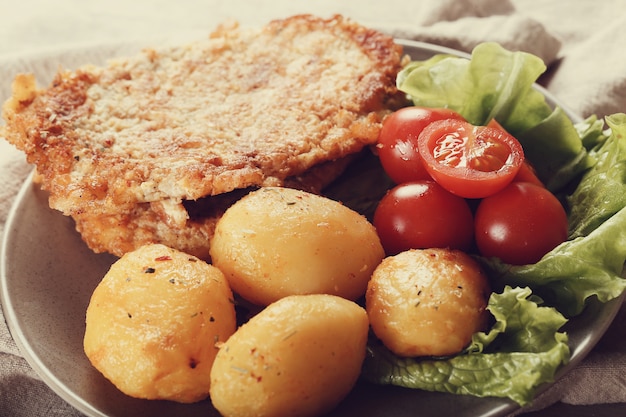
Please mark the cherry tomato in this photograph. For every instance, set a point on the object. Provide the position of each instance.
(397, 141)
(526, 172)
(520, 224)
(469, 161)
(496, 125)
(421, 214)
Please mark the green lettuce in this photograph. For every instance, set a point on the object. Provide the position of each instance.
(493, 84)
(589, 205)
(530, 303)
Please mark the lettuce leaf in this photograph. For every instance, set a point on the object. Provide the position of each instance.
(522, 350)
(555, 149)
(591, 131)
(494, 84)
(589, 205)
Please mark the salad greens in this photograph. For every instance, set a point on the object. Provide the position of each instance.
(589, 205)
(530, 303)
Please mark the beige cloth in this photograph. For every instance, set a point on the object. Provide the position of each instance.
(582, 41)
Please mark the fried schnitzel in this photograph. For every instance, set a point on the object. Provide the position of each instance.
(152, 148)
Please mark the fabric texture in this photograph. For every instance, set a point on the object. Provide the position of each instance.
(580, 41)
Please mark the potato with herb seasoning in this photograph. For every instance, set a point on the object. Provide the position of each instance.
(300, 356)
(427, 302)
(154, 322)
(276, 242)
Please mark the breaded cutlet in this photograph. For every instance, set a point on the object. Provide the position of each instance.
(154, 147)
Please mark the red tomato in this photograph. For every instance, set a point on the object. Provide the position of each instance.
(520, 224)
(397, 141)
(421, 214)
(494, 123)
(526, 172)
(469, 161)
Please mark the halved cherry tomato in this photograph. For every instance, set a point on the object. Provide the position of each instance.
(397, 141)
(520, 224)
(421, 214)
(469, 161)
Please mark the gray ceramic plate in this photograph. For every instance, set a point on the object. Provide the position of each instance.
(48, 275)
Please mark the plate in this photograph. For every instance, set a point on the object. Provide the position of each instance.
(48, 275)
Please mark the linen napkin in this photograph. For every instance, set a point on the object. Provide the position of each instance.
(124, 29)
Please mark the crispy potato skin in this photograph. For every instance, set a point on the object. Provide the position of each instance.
(277, 242)
(153, 322)
(300, 356)
(427, 302)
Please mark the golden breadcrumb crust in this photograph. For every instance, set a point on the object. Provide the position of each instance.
(124, 148)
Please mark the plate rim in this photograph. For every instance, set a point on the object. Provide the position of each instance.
(17, 333)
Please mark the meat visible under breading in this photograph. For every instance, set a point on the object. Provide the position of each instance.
(127, 148)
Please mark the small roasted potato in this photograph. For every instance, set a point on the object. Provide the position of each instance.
(300, 356)
(153, 323)
(427, 302)
(276, 242)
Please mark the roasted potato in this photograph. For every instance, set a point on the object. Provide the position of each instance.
(300, 356)
(153, 323)
(276, 242)
(427, 302)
